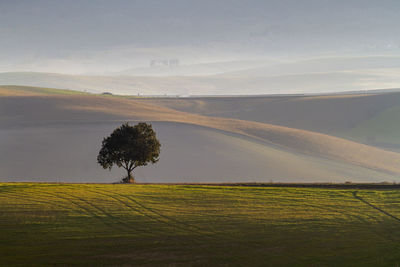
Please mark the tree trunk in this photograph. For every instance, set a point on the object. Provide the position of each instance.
(130, 178)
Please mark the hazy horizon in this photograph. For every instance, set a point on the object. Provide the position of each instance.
(190, 38)
(72, 37)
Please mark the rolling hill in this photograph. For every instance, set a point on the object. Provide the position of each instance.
(368, 117)
(312, 75)
(196, 147)
(322, 65)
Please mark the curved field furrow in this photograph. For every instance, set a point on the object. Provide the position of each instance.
(156, 217)
(134, 209)
(26, 196)
(360, 216)
(369, 217)
(114, 221)
(86, 210)
(375, 207)
(170, 219)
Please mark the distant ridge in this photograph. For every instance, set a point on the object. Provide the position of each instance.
(212, 85)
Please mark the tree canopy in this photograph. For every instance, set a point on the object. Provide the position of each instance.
(130, 147)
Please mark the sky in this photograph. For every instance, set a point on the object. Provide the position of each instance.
(101, 36)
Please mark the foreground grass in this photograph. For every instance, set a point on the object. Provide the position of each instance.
(66, 224)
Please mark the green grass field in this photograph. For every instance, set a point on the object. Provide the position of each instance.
(186, 225)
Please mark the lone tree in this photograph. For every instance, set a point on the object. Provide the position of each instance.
(129, 147)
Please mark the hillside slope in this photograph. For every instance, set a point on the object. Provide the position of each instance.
(368, 117)
(189, 153)
(61, 110)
